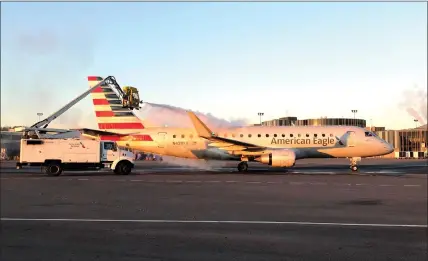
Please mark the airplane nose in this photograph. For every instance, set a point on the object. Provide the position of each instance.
(389, 148)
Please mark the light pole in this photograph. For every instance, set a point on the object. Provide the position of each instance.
(354, 112)
(260, 114)
(417, 139)
(39, 114)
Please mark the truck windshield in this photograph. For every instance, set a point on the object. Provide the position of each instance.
(110, 146)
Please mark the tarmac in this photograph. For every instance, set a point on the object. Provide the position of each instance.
(319, 210)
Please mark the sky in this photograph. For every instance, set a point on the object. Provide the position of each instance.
(232, 60)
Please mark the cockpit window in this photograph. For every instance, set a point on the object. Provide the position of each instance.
(369, 134)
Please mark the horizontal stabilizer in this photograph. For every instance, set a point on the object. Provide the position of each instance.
(92, 132)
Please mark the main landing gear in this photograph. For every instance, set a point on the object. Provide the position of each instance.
(243, 166)
(354, 163)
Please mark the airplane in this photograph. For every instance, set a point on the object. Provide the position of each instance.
(278, 146)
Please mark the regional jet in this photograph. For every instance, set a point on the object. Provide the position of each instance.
(278, 146)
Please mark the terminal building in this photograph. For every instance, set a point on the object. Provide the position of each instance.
(408, 143)
(293, 121)
(10, 144)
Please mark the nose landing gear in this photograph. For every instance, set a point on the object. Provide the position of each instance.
(354, 163)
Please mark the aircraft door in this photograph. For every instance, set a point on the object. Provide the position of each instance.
(350, 139)
(161, 140)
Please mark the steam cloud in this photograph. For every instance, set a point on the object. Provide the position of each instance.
(415, 103)
(161, 115)
(171, 116)
(196, 164)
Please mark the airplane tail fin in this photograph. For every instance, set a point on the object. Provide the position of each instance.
(110, 114)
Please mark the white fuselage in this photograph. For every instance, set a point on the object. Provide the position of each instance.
(306, 141)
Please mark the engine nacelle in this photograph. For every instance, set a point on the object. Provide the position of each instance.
(280, 158)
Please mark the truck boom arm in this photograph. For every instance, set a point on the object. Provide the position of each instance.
(110, 80)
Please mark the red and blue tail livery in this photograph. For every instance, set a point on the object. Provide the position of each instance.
(110, 114)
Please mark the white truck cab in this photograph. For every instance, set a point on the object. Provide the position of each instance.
(110, 153)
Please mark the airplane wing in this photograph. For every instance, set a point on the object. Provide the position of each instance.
(220, 142)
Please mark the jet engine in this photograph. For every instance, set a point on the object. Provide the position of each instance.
(279, 158)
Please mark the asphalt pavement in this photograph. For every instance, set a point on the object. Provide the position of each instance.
(168, 212)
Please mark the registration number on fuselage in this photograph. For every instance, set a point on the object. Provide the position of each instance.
(183, 143)
(180, 143)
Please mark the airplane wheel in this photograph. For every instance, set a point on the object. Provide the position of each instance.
(354, 168)
(243, 166)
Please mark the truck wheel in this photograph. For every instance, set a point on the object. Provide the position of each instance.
(123, 168)
(53, 169)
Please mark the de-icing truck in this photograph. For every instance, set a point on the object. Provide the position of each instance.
(56, 155)
(57, 149)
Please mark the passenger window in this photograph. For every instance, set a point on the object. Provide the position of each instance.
(274, 135)
(267, 135)
(259, 135)
(190, 136)
(331, 135)
(233, 135)
(315, 135)
(174, 136)
(182, 136)
(323, 135)
(307, 135)
(291, 135)
(283, 135)
(242, 135)
(298, 135)
(249, 135)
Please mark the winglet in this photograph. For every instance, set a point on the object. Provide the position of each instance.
(200, 127)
